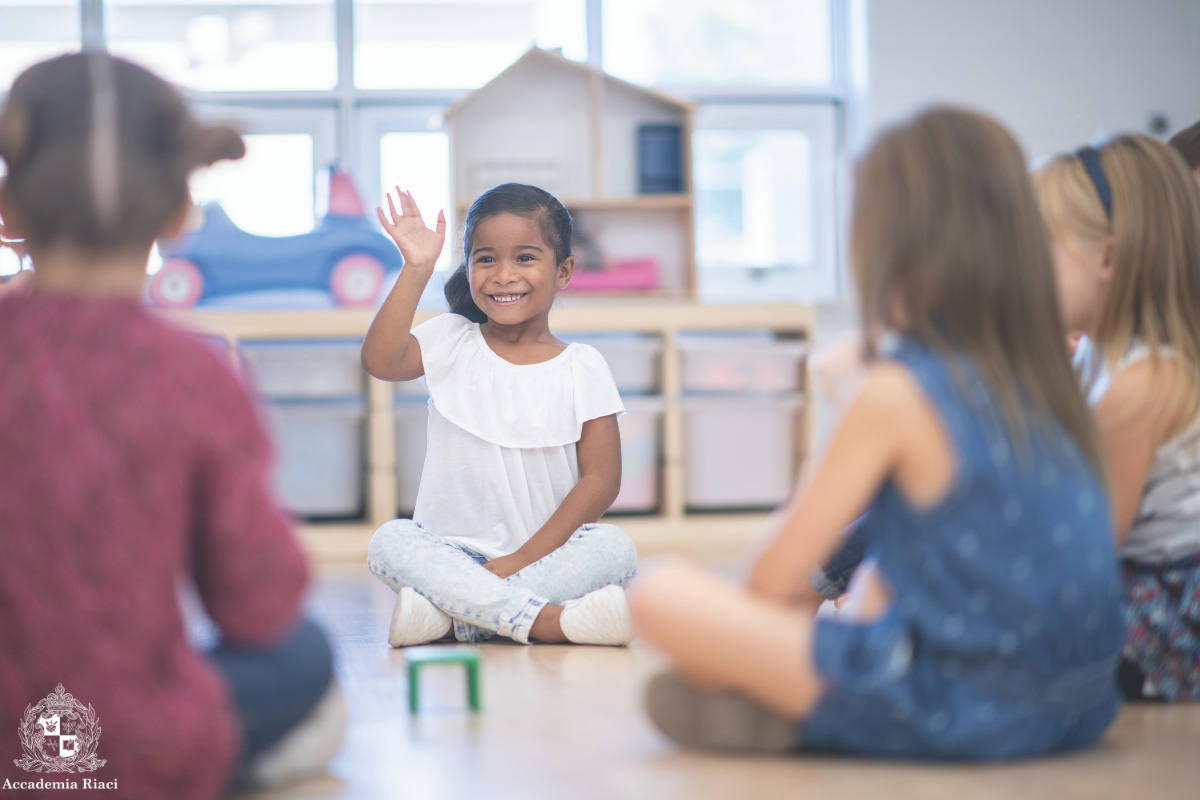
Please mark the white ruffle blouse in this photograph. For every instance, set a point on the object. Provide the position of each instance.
(501, 453)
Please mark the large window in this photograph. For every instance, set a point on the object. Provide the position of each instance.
(718, 42)
(270, 191)
(364, 83)
(457, 44)
(32, 30)
(765, 202)
(233, 45)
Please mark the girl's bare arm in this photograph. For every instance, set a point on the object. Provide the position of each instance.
(1142, 408)
(599, 452)
(390, 352)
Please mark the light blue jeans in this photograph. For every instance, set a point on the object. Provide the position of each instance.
(405, 553)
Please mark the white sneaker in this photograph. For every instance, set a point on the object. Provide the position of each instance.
(415, 620)
(599, 617)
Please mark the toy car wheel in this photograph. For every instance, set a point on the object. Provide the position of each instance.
(356, 280)
(178, 284)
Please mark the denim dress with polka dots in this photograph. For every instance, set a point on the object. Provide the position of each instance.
(1004, 632)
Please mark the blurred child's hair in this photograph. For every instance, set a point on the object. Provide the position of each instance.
(1154, 293)
(508, 198)
(1187, 143)
(948, 248)
(99, 151)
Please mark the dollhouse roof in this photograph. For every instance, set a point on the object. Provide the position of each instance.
(554, 60)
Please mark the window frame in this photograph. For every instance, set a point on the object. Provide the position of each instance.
(347, 124)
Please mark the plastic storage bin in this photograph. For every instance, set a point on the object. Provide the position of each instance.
(633, 359)
(320, 456)
(296, 369)
(740, 451)
(741, 363)
(640, 437)
(412, 417)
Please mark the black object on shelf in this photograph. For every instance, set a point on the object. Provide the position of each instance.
(660, 158)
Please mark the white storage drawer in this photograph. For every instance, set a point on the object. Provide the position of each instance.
(739, 450)
(741, 363)
(294, 369)
(633, 359)
(412, 419)
(319, 456)
(641, 435)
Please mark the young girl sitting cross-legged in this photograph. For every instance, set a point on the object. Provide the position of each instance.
(524, 454)
(986, 621)
(1125, 223)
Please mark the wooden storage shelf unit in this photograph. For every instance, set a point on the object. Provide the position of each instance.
(672, 528)
(573, 130)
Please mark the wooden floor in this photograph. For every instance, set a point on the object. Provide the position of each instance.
(566, 722)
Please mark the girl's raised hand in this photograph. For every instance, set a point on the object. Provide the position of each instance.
(419, 245)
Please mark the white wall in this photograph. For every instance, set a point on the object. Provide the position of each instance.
(1057, 72)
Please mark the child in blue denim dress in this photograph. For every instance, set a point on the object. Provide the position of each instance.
(985, 623)
(524, 454)
(1124, 219)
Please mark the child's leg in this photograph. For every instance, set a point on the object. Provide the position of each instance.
(403, 553)
(596, 555)
(726, 639)
(289, 704)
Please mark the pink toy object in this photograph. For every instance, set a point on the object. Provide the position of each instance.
(177, 284)
(619, 276)
(345, 254)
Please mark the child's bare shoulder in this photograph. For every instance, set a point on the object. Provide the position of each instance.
(889, 391)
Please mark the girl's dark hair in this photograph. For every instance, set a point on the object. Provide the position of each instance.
(508, 198)
(99, 152)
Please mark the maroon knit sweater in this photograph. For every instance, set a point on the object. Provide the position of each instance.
(131, 462)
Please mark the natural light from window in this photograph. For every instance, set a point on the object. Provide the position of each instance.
(228, 46)
(34, 30)
(448, 44)
(718, 42)
(270, 191)
(420, 164)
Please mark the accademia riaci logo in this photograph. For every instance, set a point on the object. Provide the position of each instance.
(59, 735)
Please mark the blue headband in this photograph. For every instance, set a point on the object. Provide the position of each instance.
(1090, 157)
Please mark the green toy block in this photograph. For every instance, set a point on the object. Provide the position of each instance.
(418, 657)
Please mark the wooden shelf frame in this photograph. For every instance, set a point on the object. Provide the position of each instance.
(672, 529)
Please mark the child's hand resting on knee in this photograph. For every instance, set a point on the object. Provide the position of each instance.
(507, 565)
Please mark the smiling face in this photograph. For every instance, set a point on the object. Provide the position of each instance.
(513, 270)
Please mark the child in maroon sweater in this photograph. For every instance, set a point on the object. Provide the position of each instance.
(131, 463)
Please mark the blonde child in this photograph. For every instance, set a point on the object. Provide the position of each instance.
(986, 624)
(524, 454)
(1125, 223)
(132, 461)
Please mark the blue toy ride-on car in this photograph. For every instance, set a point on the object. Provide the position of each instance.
(344, 254)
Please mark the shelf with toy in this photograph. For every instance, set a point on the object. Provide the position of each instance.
(617, 155)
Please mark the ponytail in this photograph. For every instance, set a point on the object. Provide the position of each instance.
(458, 295)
